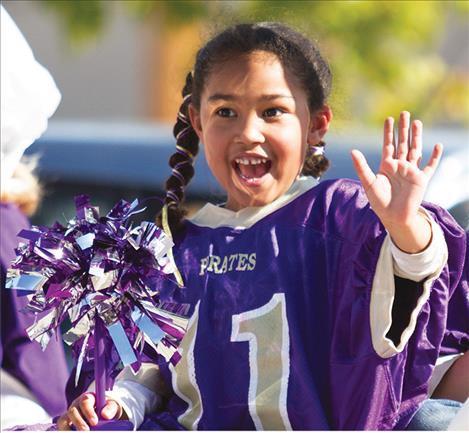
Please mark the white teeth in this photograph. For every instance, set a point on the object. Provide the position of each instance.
(253, 161)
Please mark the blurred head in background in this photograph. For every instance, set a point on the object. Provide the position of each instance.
(29, 97)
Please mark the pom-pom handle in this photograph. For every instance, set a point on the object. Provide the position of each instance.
(100, 365)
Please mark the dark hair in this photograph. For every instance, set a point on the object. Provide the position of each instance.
(297, 53)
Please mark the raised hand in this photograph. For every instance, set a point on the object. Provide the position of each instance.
(81, 414)
(396, 191)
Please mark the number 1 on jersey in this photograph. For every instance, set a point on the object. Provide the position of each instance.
(266, 330)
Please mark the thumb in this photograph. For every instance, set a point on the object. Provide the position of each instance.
(112, 410)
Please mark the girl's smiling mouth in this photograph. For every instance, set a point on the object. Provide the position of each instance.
(251, 168)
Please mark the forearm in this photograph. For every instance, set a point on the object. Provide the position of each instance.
(411, 237)
(419, 266)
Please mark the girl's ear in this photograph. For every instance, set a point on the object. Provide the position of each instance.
(196, 123)
(319, 125)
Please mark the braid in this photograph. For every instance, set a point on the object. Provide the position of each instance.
(181, 162)
(316, 162)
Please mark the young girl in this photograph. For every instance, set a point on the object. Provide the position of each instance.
(296, 323)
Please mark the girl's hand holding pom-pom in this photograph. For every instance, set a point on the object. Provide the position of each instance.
(82, 413)
(397, 190)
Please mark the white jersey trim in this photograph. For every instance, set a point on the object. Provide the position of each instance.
(213, 216)
(194, 407)
(443, 364)
(137, 393)
(383, 290)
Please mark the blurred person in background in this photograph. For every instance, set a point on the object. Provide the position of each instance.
(449, 186)
(32, 381)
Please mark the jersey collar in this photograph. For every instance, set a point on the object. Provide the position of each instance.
(213, 216)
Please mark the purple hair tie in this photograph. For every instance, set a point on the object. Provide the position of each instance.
(182, 151)
(184, 131)
(178, 174)
(316, 150)
(183, 118)
(174, 198)
(182, 163)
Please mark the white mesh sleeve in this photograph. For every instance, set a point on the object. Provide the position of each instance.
(136, 400)
(417, 267)
(139, 393)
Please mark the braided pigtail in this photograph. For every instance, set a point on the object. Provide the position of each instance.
(316, 162)
(181, 162)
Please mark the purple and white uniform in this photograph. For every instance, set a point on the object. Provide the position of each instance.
(44, 374)
(292, 304)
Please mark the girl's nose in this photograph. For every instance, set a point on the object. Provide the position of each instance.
(251, 131)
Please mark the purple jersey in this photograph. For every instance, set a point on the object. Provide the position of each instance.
(457, 324)
(281, 336)
(44, 373)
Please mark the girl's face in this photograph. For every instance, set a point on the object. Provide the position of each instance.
(255, 124)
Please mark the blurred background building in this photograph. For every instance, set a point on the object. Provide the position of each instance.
(120, 66)
(128, 59)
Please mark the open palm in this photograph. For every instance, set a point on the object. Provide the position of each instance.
(396, 191)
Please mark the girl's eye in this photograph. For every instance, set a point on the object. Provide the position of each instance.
(273, 112)
(225, 112)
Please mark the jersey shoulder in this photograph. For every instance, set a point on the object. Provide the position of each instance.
(337, 208)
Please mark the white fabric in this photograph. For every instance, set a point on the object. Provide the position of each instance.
(215, 216)
(382, 292)
(136, 400)
(29, 97)
(461, 421)
(447, 185)
(136, 393)
(442, 365)
(417, 267)
(15, 401)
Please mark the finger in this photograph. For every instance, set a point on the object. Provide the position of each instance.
(87, 408)
(415, 153)
(365, 174)
(388, 139)
(434, 160)
(403, 147)
(76, 419)
(63, 423)
(111, 410)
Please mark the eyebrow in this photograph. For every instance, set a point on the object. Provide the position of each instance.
(229, 97)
